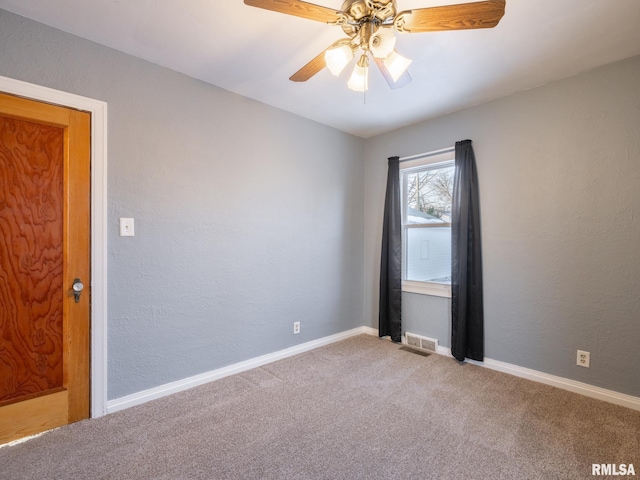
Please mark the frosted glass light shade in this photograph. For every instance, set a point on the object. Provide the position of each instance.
(338, 58)
(382, 43)
(396, 65)
(359, 80)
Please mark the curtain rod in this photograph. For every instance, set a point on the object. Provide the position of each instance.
(427, 154)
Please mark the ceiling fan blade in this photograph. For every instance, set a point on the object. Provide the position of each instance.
(404, 79)
(297, 8)
(319, 62)
(310, 69)
(464, 16)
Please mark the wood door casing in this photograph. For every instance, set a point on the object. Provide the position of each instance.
(44, 227)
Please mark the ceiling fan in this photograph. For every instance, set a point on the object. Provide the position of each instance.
(369, 26)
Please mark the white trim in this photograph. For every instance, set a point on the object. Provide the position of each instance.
(432, 160)
(98, 110)
(415, 161)
(370, 331)
(428, 154)
(426, 288)
(190, 382)
(585, 389)
(196, 380)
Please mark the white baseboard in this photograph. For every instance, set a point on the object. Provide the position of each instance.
(555, 381)
(190, 382)
(585, 389)
(370, 331)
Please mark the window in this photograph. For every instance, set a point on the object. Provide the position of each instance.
(427, 190)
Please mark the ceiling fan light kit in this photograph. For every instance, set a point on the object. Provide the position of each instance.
(337, 58)
(369, 25)
(396, 65)
(382, 43)
(359, 81)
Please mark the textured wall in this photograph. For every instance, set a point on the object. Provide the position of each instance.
(559, 171)
(247, 218)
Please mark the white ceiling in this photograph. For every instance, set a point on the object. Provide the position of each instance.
(253, 52)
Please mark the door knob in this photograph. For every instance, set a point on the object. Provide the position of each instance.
(77, 289)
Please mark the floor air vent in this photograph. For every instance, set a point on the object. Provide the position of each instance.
(423, 343)
(417, 351)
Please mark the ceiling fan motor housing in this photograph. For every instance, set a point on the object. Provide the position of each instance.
(362, 12)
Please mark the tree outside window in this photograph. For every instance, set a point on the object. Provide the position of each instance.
(427, 197)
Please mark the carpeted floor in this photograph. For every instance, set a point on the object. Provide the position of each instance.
(358, 409)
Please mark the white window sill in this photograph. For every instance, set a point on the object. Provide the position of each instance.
(425, 288)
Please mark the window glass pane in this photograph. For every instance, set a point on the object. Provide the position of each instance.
(428, 196)
(429, 254)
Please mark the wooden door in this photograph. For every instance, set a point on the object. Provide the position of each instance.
(44, 245)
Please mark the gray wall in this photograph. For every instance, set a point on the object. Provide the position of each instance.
(559, 171)
(247, 218)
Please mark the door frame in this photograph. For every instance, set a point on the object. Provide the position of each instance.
(98, 236)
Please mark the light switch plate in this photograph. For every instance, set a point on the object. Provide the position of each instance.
(126, 227)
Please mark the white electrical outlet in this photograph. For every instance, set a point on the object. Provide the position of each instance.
(296, 328)
(584, 358)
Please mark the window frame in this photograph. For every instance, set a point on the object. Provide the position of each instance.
(439, 159)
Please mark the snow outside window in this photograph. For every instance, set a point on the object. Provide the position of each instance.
(427, 192)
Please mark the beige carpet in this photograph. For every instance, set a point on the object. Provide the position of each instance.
(360, 408)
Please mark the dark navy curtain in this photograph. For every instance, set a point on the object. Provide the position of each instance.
(389, 318)
(467, 317)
